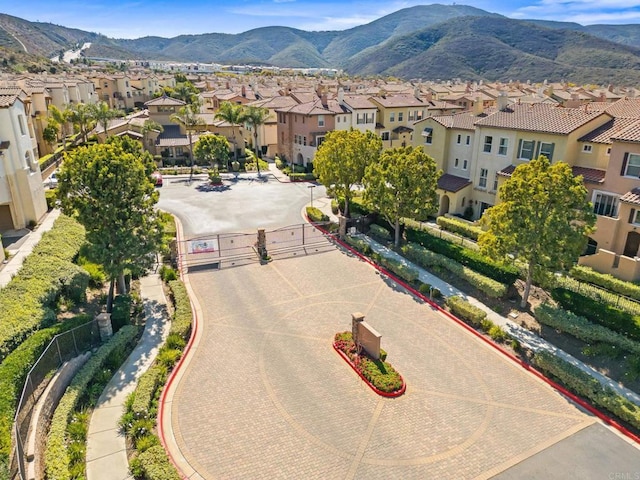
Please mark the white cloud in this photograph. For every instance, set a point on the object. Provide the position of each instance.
(584, 12)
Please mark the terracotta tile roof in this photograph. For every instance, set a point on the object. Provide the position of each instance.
(391, 101)
(539, 117)
(632, 196)
(314, 108)
(625, 108)
(452, 183)
(358, 101)
(165, 101)
(8, 95)
(589, 175)
(604, 133)
(629, 134)
(461, 121)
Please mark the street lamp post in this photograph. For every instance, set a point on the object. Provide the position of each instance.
(311, 187)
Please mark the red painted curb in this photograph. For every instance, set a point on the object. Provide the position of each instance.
(528, 367)
(395, 394)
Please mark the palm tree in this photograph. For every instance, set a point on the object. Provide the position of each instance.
(81, 115)
(102, 113)
(59, 119)
(255, 117)
(150, 126)
(188, 116)
(232, 114)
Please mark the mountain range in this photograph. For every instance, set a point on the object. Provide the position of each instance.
(427, 41)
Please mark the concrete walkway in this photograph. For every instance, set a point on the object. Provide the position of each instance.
(527, 338)
(26, 247)
(106, 448)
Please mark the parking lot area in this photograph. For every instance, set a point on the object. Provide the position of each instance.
(266, 396)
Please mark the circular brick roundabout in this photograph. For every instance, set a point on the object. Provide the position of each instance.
(266, 396)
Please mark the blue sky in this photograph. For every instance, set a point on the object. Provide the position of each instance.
(169, 18)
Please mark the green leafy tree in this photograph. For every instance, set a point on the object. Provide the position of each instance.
(50, 133)
(233, 115)
(150, 126)
(82, 117)
(186, 91)
(102, 114)
(188, 116)
(108, 188)
(255, 117)
(212, 148)
(543, 219)
(402, 184)
(342, 159)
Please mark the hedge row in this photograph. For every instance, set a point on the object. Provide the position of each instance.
(598, 293)
(359, 244)
(301, 177)
(56, 454)
(584, 385)
(605, 315)
(405, 272)
(463, 309)
(506, 274)
(583, 329)
(316, 215)
(152, 462)
(13, 373)
(429, 259)
(156, 464)
(607, 281)
(26, 302)
(459, 226)
(380, 232)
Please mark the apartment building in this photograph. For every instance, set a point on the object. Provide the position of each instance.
(22, 198)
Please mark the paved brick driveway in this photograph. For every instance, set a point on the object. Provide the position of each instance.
(265, 395)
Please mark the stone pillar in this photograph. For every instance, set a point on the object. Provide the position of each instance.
(104, 326)
(342, 226)
(356, 318)
(262, 245)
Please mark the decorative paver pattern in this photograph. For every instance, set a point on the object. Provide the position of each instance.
(266, 396)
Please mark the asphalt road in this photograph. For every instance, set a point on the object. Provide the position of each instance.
(238, 206)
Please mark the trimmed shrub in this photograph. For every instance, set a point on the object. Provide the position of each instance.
(598, 293)
(148, 384)
(463, 309)
(609, 282)
(584, 385)
(405, 272)
(316, 215)
(605, 315)
(583, 329)
(506, 274)
(182, 315)
(428, 259)
(301, 177)
(27, 301)
(167, 274)
(51, 196)
(380, 232)
(461, 227)
(359, 244)
(13, 373)
(121, 312)
(156, 465)
(56, 453)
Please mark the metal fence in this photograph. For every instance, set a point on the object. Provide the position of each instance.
(294, 236)
(63, 347)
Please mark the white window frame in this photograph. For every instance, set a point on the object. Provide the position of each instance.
(522, 149)
(456, 164)
(400, 116)
(392, 117)
(459, 139)
(587, 148)
(503, 146)
(465, 164)
(23, 130)
(550, 153)
(385, 136)
(468, 140)
(482, 180)
(488, 144)
(636, 165)
(636, 218)
(608, 208)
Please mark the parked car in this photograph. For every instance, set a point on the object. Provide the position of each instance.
(53, 180)
(157, 178)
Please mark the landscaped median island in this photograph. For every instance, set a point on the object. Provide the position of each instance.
(378, 374)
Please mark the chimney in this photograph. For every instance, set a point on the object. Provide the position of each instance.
(243, 91)
(228, 85)
(340, 96)
(503, 101)
(323, 99)
(429, 97)
(477, 106)
(603, 97)
(416, 92)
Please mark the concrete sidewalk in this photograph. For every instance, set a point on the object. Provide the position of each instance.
(526, 338)
(106, 447)
(26, 247)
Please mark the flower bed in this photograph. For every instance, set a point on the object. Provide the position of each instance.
(378, 374)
